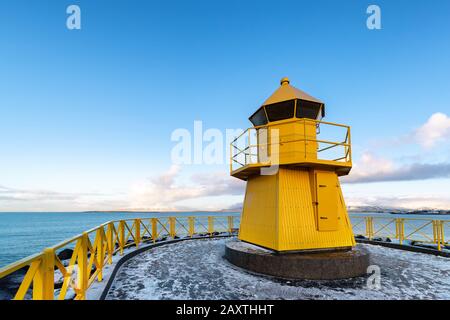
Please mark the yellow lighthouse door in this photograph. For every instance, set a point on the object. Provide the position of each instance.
(327, 201)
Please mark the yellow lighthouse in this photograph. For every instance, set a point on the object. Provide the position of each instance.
(291, 160)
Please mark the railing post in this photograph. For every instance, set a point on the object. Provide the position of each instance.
(210, 225)
(435, 236)
(43, 281)
(400, 229)
(231, 157)
(191, 226)
(438, 233)
(154, 229)
(230, 224)
(100, 252)
(397, 232)
(349, 143)
(109, 241)
(172, 222)
(137, 228)
(121, 235)
(83, 272)
(369, 227)
(372, 233)
(442, 232)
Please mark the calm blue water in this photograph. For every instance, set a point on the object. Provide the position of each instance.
(23, 234)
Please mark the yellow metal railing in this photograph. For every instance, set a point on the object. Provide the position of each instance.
(95, 248)
(422, 230)
(246, 148)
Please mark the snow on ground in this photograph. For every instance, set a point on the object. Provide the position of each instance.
(196, 270)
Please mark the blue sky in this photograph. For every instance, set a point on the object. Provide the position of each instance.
(86, 115)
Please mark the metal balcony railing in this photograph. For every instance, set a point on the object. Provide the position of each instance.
(332, 142)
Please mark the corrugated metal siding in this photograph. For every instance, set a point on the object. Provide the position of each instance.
(279, 214)
(297, 217)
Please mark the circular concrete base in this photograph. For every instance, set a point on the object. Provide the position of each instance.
(307, 266)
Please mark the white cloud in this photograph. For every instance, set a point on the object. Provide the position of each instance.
(165, 192)
(14, 199)
(12, 194)
(371, 168)
(435, 130)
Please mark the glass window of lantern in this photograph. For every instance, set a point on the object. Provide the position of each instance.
(259, 118)
(309, 109)
(281, 110)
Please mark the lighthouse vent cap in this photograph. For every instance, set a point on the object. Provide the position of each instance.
(284, 81)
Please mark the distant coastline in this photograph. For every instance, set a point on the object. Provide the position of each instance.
(162, 212)
(398, 211)
(351, 209)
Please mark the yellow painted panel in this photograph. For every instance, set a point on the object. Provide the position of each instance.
(327, 201)
(296, 141)
(259, 215)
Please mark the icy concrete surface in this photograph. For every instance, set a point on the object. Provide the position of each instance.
(196, 270)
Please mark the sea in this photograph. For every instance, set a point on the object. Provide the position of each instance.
(26, 233)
